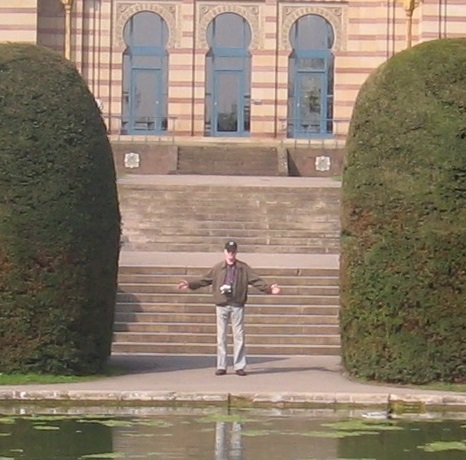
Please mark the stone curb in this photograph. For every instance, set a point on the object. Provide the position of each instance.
(415, 402)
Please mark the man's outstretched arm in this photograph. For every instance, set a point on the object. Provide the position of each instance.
(259, 283)
(206, 280)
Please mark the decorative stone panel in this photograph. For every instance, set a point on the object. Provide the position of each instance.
(333, 13)
(123, 10)
(208, 11)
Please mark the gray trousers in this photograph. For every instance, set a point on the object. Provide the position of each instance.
(236, 315)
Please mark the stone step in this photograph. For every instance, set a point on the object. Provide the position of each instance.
(227, 160)
(235, 218)
(284, 281)
(231, 168)
(245, 217)
(282, 236)
(237, 230)
(293, 273)
(325, 247)
(210, 349)
(196, 297)
(210, 328)
(221, 200)
(240, 212)
(239, 193)
(252, 339)
(246, 241)
(202, 313)
(263, 231)
(162, 288)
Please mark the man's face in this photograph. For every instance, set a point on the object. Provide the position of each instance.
(230, 257)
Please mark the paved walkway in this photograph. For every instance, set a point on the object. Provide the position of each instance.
(295, 381)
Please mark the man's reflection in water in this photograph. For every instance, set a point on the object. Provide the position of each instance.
(228, 445)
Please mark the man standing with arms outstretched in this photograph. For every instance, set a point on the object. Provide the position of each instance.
(230, 280)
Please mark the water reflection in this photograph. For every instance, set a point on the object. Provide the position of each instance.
(228, 444)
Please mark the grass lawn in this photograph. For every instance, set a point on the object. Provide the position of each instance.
(44, 379)
(456, 387)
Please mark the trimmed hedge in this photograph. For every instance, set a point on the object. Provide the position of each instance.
(59, 218)
(403, 261)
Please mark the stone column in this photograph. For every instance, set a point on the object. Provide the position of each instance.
(409, 6)
(67, 4)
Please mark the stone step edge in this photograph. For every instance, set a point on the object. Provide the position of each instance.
(209, 334)
(331, 400)
(206, 181)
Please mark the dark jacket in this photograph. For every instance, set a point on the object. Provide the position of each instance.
(245, 276)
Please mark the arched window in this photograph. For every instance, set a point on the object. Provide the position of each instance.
(228, 77)
(310, 83)
(145, 75)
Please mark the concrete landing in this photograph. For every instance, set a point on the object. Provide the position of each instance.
(200, 259)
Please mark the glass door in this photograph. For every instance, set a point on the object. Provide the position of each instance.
(228, 103)
(145, 75)
(310, 105)
(147, 102)
(310, 78)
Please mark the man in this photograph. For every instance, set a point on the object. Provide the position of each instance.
(230, 280)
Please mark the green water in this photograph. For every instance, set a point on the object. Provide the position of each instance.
(250, 435)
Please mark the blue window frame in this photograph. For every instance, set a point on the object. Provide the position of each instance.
(228, 76)
(145, 75)
(310, 84)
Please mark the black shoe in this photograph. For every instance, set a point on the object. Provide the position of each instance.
(220, 372)
(241, 372)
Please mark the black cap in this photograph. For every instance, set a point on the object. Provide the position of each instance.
(231, 246)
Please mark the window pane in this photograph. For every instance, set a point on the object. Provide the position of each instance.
(145, 100)
(147, 29)
(227, 101)
(229, 30)
(311, 63)
(311, 32)
(310, 100)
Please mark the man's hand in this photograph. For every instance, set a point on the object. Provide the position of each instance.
(274, 289)
(183, 285)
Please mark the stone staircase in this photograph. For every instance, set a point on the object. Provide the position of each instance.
(225, 159)
(288, 224)
(153, 317)
(200, 217)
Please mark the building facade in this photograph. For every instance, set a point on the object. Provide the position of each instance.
(244, 70)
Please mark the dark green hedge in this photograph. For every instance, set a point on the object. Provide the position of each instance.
(59, 218)
(403, 262)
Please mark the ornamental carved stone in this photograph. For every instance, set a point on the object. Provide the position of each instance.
(124, 10)
(334, 14)
(207, 12)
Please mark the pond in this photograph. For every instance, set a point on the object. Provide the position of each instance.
(170, 433)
